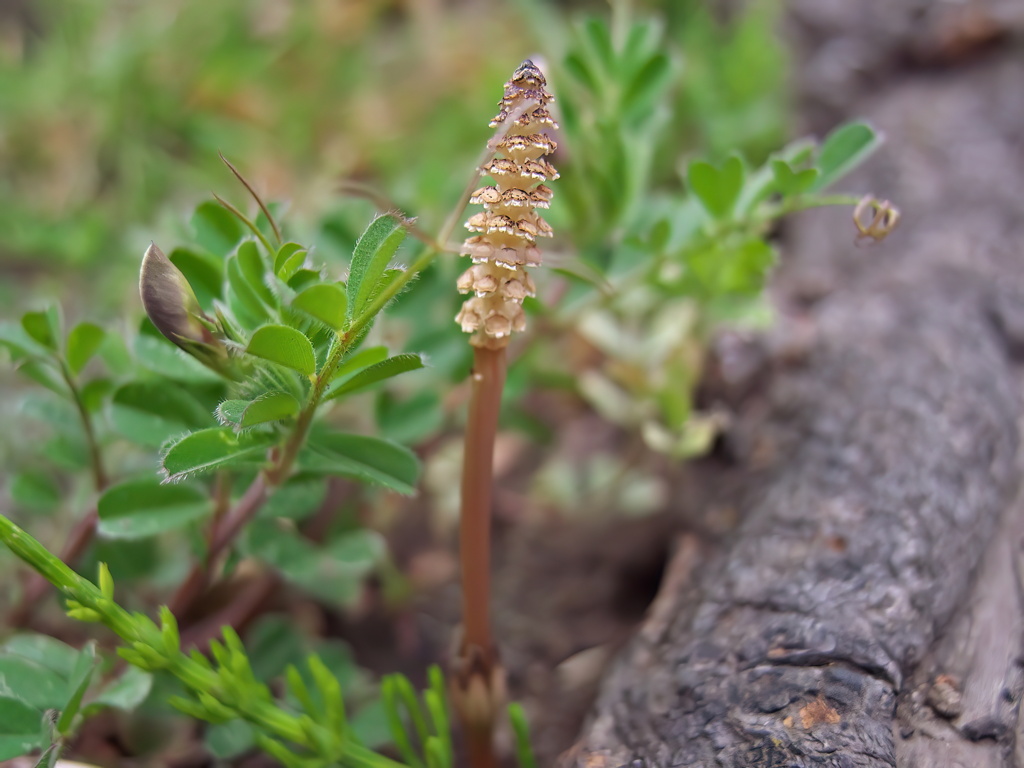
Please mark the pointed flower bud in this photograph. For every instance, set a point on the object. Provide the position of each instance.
(172, 305)
(505, 235)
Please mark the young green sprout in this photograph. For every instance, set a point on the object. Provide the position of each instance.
(503, 245)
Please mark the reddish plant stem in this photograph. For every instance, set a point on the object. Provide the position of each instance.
(476, 670)
(228, 526)
(477, 481)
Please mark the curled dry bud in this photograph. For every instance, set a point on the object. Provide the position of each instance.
(507, 229)
(875, 219)
(171, 304)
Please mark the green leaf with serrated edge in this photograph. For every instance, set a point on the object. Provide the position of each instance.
(717, 188)
(284, 346)
(367, 377)
(31, 682)
(42, 649)
(843, 150)
(216, 228)
(150, 412)
(270, 406)
(79, 681)
(20, 728)
(364, 458)
(210, 449)
(327, 302)
(145, 507)
(255, 271)
(790, 182)
(204, 273)
(373, 252)
(83, 341)
(358, 361)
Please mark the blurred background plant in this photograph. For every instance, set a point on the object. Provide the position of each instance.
(674, 167)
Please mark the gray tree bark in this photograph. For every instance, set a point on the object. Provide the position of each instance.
(868, 611)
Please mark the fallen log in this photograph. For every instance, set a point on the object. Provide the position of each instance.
(863, 615)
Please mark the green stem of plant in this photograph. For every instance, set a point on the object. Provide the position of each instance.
(477, 481)
(99, 474)
(803, 203)
(134, 629)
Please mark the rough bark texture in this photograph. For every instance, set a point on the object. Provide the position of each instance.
(864, 614)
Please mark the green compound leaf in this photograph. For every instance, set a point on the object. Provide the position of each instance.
(374, 250)
(83, 342)
(327, 302)
(284, 346)
(718, 189)
(843, 150)
(271, 406)
(210, 449)
(367, 377)
(139, 508)
(366, 458)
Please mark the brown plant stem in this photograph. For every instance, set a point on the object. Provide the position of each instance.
(477, 481)
(476, 664)
(228, 526)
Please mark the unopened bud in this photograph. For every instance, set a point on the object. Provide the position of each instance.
(172, 306)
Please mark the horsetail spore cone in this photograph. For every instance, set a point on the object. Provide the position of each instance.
(509, 225)
(504, 245)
